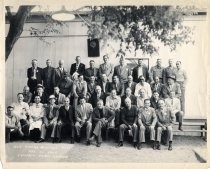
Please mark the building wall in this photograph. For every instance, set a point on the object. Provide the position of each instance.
(73, 41)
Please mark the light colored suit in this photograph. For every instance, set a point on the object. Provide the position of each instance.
(106, 69)
(147, 120)
(83, 115)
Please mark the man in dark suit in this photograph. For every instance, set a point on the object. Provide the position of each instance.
(131, 84)
(154, 100)
(105, 85)
(77, 67)
(156, 86)
(59, 73)
(140, 70)
(34, 75)
(102, 118)
(48, 78)
(91, 71)
(66, 120)
(91, 85)
(122, 71)
(40, 92)
(96, 96)
(128, 94)
(117, 85)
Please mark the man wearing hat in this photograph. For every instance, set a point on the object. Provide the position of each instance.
(12, 125)
(171, 86)
(65, 85)
(50, 119)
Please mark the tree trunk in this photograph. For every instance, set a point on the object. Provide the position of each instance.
(16, 27)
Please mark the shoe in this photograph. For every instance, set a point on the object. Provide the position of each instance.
(120, 144)
(40, 141)
(59, 140)
(139, 146)
(98, 145)
(72, 141)
(170, 147)
(88, 142)
(154, 146)
(53, 140)
(180, 128)
(158, 146)
(78, 139)
(135, 144)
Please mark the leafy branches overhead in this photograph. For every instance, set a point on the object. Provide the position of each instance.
(141, 27)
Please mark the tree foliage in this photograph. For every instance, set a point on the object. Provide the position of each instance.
(141, 27)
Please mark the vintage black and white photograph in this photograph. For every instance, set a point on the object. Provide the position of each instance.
(106, 84)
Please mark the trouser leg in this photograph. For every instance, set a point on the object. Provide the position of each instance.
(142, 134)
(170, 133)
(159, 133)
(121, 131)
(152, 133)
(135, 132)
(78, 128)
(72, 130)
(54, 129)
(25, 127)
(88, 130)
(7, 135)
(43, 131)
(97, 131)
(59, 130)
(179, 116)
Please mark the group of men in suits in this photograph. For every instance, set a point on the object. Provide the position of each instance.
(135, 100)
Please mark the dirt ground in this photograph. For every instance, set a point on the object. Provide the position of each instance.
(27, 151)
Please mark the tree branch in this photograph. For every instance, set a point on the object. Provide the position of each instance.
(9, 13)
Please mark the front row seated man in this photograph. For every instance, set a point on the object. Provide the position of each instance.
(50, 120)
(66, 120)
(13, 126)
(102, 118)
(147, 120)
(129, 122)
(83, 115)
(166, 119)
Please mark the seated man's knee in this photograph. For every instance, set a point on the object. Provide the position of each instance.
(89, 124)
(159, 129)
(169, 128)
(142, 128)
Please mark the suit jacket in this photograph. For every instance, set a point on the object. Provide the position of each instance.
(119, 88)
(129, 117)
(175, 88)
(58, 75)
(167, 120)
(48, 77)
(145, 73)
(107, 88)
(94, 99)
(91, 72)
(38, 79)
(60, 99)
(65, 86)
(133, 87)
(54, 117)
(147, 120)
(157, 87)
(154, 104)
(107, 114)
(133, 100)
(66, 116)
(174, 104)
(122, 73)
(91, 88)
(79, 113)
(80, 70)
(167, 72)
(108, 70)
